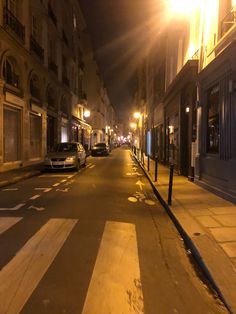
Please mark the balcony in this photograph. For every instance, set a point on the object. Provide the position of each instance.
(52, 66)
(14, 24)
(52, 15)
(65, 81)
(36, 48)
(228, 21)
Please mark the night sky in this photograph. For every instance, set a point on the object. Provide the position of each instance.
(118, 31)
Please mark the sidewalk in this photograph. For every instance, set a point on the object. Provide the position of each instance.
(207, 223)
(13, 176)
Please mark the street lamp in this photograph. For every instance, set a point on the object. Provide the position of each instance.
(133, 125)
(87, 113)
(137, 115)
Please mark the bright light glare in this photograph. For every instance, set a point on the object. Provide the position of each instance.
(136, 115)
(182, 7)
(133, 125)
(86, 113)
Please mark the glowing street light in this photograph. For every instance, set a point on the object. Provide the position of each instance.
(137, 115)
(87, 113)
(133, 125)
(183, 7)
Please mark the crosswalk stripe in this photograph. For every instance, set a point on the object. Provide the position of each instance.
(115, 286)
(21, 275)
(7, 222)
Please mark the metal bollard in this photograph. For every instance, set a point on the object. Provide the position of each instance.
(148, 162)
(156, 167)
(170, 184)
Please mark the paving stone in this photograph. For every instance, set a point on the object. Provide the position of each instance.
(230, 249)
(208, 221)
(226, 220)
(223, 210)
(224, 234)
(200, 212)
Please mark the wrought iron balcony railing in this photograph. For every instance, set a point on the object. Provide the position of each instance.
(14, 24)
(52, 66)
(36, 48)
(228, 21)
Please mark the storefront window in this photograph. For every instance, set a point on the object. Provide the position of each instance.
(213, 133)
(12, 134)
(35, 135)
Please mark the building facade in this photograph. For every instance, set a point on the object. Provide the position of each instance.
(43, 93)
(189, 117)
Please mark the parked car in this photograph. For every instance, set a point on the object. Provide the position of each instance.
(100, 149)
(66, 155)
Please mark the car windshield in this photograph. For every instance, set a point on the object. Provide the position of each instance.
(65, 147)
(100, 145)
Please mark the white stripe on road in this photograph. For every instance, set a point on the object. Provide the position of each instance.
(56, 184)
(92, 166)
(7, 222)
(13, 208)
(45, 190)
(115, 286)
(11, 189)
(21, 275)
(34, 197)
(63, 181)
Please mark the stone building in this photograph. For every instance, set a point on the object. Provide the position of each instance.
(189, 118)
(42, 79)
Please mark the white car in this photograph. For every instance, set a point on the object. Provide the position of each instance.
(68, 155)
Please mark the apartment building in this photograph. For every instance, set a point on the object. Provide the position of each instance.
(42, 95)
(191, 112)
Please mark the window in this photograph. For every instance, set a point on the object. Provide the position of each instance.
(12, 6)
(9, 74)
(12, 117)
(35, 135)
(213, 118)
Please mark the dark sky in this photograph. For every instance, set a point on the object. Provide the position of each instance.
(118, 31)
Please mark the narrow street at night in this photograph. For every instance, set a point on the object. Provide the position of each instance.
(95, 242)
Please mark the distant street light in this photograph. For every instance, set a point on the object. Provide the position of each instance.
(133, 125)
(87, 113)
(137, 115)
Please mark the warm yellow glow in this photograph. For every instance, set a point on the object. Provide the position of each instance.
(87, 113)
(133, 125)
(137, 115)
(183, 7)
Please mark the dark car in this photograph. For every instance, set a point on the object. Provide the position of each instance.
(100, 149)
(65, 156)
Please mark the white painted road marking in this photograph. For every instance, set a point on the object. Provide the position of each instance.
(35, 196)
(11, 189)
(65, 190)
(7, 222)
(37, 208)
(56, 184)
(140, 184)
(45, 190)
(91, 167)
(112, 289)
(21, 275)
(13, 208)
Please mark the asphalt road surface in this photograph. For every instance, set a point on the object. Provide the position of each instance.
(94, 242)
